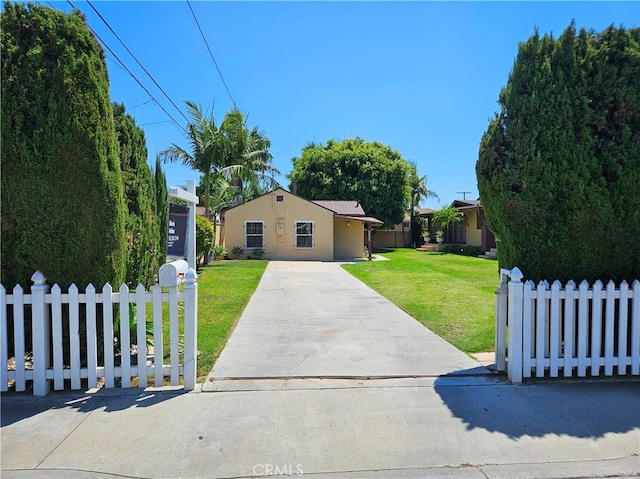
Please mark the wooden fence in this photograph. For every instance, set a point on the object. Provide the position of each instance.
(555, 330)
(73, 335)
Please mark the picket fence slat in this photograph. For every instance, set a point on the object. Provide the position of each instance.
(4, 341)
(174, 336)
(635, 329)
(19, 338)
(609, 329)
(569, 327)
(568, 330)
(56, 331)
(527, 330)
(157, 335)
(541, 328)
(107, 324)
(125, 337)
(92, 337)
(555, 331)
(74, 336)
(141, 306)
(597, 360)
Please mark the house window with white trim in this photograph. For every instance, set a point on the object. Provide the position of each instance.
(304, 234)
(254, 234)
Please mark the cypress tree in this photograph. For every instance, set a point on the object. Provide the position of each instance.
(559, 165)
(142, 224)
(62, 198)
(162, 210)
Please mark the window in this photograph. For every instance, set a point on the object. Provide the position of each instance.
(253, 234)
(304, 234)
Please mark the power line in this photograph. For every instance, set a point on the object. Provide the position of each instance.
(137, 61)
(130, 73)
(211, 54)
(144, 103)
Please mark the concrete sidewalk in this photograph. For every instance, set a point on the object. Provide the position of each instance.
(324, 378)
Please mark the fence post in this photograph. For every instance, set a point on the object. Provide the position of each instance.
(41, 325)
(501, 321)
(515, 304)
(190, 329)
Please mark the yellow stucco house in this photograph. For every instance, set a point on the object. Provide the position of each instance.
(288, 227)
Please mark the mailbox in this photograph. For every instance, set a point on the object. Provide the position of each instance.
(172, 274)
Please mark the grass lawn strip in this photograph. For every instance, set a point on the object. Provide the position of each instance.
(452, 295)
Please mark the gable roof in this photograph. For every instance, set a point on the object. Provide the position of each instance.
(349, 208)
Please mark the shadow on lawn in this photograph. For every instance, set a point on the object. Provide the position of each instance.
(577, 409)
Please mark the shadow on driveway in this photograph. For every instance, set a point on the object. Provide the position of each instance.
(578, 409)
(17, 407)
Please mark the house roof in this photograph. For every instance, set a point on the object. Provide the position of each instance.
(349, 208)
(466, 204)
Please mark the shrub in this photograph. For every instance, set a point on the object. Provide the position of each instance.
(237, 251)
(464, 250)
(559, 165)
(204, 237)
(142, 222)
(218, 251)
(63, 210)
(257, 253)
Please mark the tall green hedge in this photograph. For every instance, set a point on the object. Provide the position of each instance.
(162, 209)
(559, 165)
(63, 209)
(142, 223)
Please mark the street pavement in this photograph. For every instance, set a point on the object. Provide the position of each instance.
(324, 378)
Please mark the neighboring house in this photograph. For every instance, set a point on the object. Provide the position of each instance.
(288, 227)
(400, 235)
(472, 231)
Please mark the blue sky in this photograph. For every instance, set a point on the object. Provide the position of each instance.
(422, 77)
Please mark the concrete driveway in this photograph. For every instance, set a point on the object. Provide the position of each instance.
(315, 320)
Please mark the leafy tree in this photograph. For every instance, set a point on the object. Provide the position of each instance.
(63, 210)
(371, 173)
(162, 210)
(559, 165)
(142, 223)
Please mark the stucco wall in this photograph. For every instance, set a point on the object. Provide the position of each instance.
(286, 212)
(474, 235)
(347, 240)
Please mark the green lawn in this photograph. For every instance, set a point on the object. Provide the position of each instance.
(224, 289)
(450, 294)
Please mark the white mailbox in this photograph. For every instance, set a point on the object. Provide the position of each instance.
(172, 274)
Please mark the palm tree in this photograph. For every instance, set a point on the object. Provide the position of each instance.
(418, 191)
(247, 159)
(205, 151)
(447, 217)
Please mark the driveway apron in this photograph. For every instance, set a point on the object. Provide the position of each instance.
(313, 320)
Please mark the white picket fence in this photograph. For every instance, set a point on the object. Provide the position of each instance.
(53, 361)
(555, 330)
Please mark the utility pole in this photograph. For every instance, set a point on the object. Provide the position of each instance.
(464, 194)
